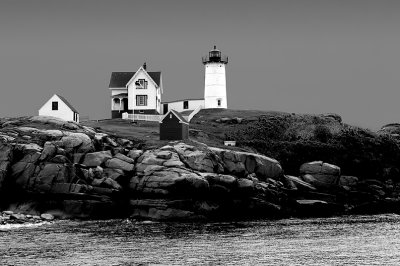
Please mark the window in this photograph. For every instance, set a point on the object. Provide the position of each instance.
(54, 106)
(219, 102)
(141, 100)
(185, 104)
(141, 84)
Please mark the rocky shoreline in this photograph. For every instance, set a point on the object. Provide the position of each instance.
(9, 217)
(66, 170)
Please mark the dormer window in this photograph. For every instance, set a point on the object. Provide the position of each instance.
(141, 84)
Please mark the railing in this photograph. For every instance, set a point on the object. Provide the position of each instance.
(195, 111)
(134, 117)
(222, 59)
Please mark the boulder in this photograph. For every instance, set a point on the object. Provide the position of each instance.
(147, 159)
(116, 163)
(320, 175)
(6, 138)
(173, 161)
(245, 184)
(124, 158)
(243, 163)
(40, 178)
(66, 188)
(22, 172)
(227, 181)
(166, 155)
(319, 168)
(300, 184)
(47, 216)
(77, 142)
(321, 181)
(348, 181)
(309, 207)
(111, 183)
(60, 159)
(55, 121)
(6, 157)
(157, 209)
(49, 151)
(18, 216)
(52, 134)
(169, 181)
(113, 173)
(134, 154)
(202, 161)
(96, 158)
(28, 148)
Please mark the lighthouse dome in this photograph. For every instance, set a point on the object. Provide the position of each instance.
(215, 56)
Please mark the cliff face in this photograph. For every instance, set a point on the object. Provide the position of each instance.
(48, 165)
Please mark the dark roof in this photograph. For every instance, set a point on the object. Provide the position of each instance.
(67, 103)
(178, 115)
(192, 99)
(120, 79)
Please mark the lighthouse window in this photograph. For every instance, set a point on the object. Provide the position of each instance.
(219, 102)
(185, 105)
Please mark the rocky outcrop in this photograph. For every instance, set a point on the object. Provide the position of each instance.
(83, 173)
(320, 174)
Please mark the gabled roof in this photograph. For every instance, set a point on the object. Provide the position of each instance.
(120, 79)
(181, 118)
(67, 103)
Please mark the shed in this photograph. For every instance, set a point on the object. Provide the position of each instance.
(173, 126)
(58, 106)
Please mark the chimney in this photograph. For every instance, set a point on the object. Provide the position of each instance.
(144, 66)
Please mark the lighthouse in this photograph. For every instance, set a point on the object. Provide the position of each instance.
(215, 79)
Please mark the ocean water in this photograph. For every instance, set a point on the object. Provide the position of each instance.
(349, 240)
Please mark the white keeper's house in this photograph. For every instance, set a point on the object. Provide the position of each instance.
(136, 92)
(140, 92)
(58, 106)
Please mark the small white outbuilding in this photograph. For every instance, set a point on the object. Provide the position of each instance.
(58, 106)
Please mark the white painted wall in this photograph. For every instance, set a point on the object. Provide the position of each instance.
(178, 105)
(215, 85)
(152, 92)
(63, 112)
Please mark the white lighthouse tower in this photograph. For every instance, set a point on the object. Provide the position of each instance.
(215, 80)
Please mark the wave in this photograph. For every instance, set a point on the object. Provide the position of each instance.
(7, 227)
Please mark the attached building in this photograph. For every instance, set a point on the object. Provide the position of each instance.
(58, 106)
(183, 105)
(174, 126)
(136, 92)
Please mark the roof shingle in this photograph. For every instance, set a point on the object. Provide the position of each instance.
(67, 103)
(120, 79)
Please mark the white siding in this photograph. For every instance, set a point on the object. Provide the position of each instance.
(63, 112)
(151, 92)
(178, 105)
(215, 85)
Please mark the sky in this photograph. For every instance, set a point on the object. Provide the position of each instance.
(296, 56)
